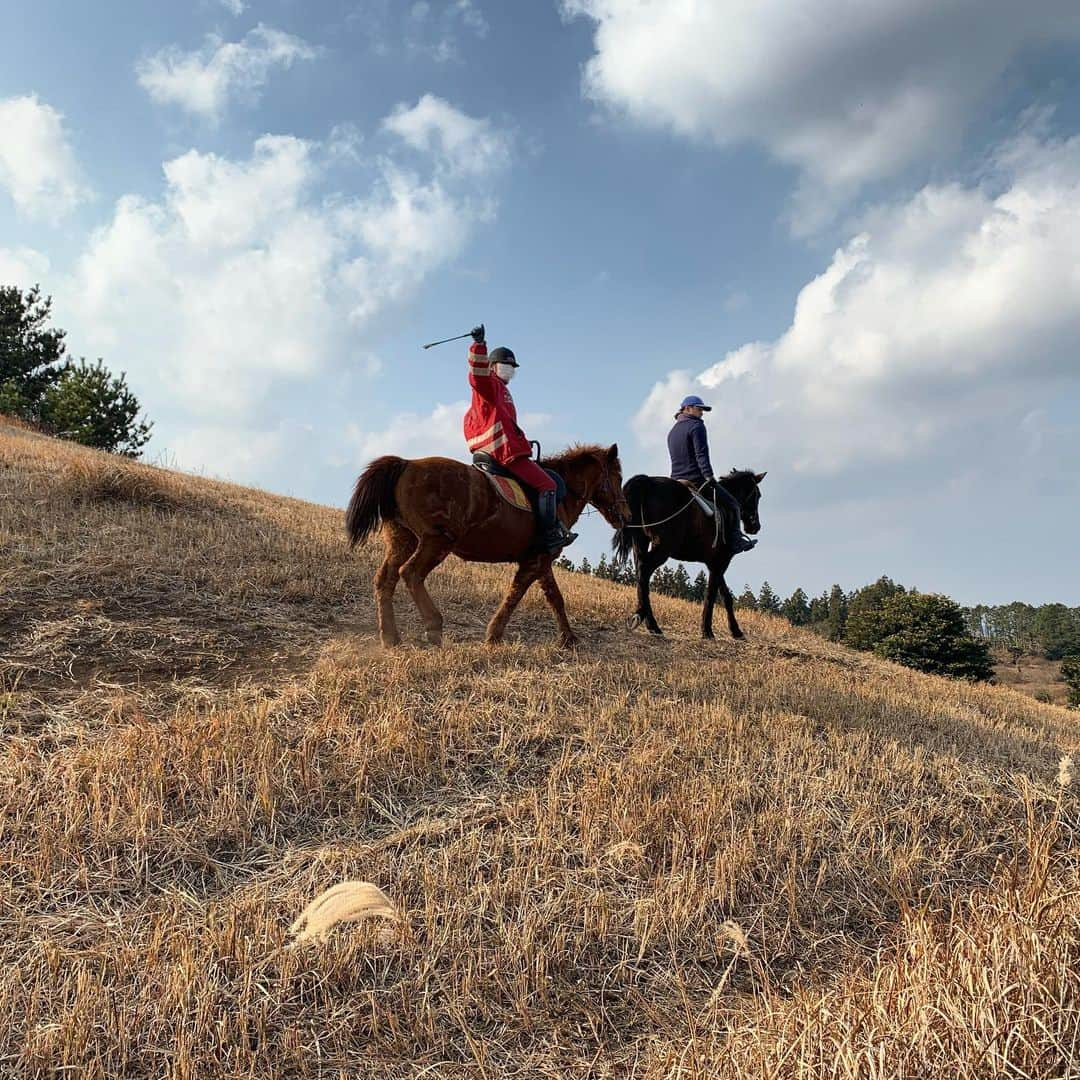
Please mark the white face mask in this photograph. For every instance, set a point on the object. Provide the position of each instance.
(505, 372)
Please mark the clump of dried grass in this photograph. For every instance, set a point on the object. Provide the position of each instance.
(347, 901)
(110, 479)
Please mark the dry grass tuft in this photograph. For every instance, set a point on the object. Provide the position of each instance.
(648, 859)
(111, 479)
(347, 901)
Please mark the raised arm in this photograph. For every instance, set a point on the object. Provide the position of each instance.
(480, 376)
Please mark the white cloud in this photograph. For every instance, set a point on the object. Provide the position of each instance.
(37, 166)
(847, 93)
(411, 434)
(471, 16)
(22, 266)
(244, 279)
(234, 7)
(938, 333)
(466, 144)
(204, 81)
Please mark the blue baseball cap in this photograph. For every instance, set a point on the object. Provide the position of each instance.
(693, 401)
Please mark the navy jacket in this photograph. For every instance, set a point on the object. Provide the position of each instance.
(689, 449)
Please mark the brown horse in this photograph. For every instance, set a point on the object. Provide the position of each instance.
(433, 507)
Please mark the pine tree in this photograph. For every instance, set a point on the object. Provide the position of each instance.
(602, 570)
(836, 619)
(586, 566)
(1070, 672)
(796, 608)
(90, 406)
(926, 632)
(819, 610)
(699, 587)
(746, 601)
(768, 600)
(681, 582)
(31, 353)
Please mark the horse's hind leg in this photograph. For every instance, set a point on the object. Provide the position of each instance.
(400, 544)
(430, 551)
(648, 563)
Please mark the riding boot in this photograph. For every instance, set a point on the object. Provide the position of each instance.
(556, 535)
(740, 542)
(728, 509)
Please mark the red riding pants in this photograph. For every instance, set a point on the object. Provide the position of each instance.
(528, 472)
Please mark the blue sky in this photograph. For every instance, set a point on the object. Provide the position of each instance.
(854, 228)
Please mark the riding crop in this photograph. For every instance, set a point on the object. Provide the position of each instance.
(445, 340)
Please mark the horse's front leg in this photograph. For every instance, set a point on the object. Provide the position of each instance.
(729, 603)
(715, 579)
(527, 573)
(430, 552)
(567, 638)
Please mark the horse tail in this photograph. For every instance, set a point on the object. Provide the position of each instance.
(623, 541)
(373, 500)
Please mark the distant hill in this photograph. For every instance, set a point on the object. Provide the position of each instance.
(648, 858)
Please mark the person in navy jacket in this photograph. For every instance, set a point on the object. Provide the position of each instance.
(688, 446)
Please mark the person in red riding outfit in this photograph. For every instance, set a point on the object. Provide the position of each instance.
(491, 428)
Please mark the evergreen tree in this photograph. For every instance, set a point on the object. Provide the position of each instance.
(602, 570)
(1070, 672)
(767, 600)
(746, 600)
(90, 406)
(796, 608)
(586, 566)
(836, 615)
(31, 353)
(699, 587)
(861, 624)
(819, 610)
(1057, 629)
(681, 582)
(563, 563)
(926, 632)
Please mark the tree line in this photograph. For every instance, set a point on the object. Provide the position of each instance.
(925, 631)
(41, 385)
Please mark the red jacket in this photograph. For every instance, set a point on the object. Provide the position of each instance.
(491, 423)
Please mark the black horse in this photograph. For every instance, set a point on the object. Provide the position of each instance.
(666, 522)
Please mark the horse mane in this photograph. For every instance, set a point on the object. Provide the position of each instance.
(737, 474)
(571, 455)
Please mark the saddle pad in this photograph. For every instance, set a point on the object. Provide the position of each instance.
(511, 491)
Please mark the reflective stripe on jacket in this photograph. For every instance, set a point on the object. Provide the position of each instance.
(491, 423)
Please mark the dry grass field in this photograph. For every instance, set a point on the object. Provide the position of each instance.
(773, 858)
(1033, 675)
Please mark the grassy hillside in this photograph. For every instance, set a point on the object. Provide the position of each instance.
(646, 859)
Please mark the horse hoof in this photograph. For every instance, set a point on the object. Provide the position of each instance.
(656, 631)
(569, 641)
(634, 622)
(737, 634)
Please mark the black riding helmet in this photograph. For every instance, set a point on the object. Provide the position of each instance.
(503, 355)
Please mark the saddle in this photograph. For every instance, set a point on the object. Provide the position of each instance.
(706, 504)
(509, 487)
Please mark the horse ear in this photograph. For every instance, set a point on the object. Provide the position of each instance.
(613, 452)
(758, 477)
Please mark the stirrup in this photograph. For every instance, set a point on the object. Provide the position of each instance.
(556, 539)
